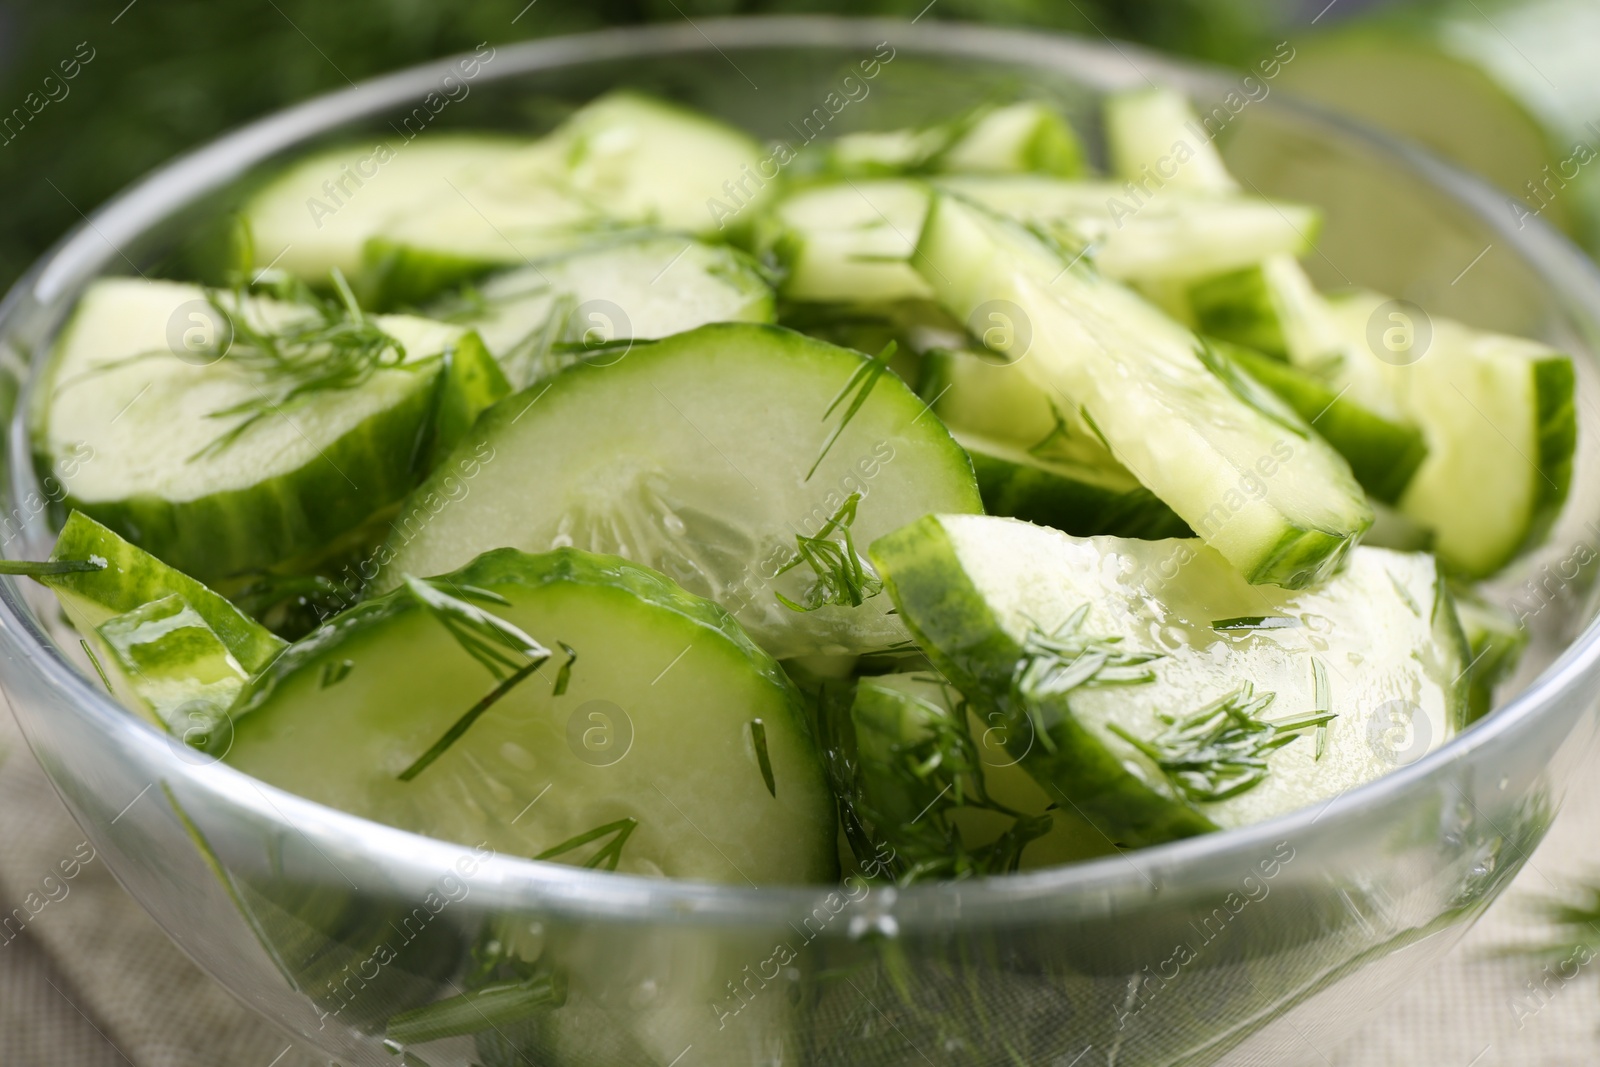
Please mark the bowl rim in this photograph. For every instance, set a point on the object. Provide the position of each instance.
(82, 253)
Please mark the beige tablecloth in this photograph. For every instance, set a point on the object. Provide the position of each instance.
(94, 982)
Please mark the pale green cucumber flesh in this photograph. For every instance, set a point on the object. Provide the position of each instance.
(849, 243)
(1145, 127)
(1149, 234)
(538, 318)
(1383, 455)
(317, 214)
(1496, 639)
(306, 471)
(1243, 472)
(132, 578)
(691, 455)
(1383, 630)
(622, 162)
(1077, 499)
(177, 667)
(655, 726)
(1020, 138)
(1498, 419)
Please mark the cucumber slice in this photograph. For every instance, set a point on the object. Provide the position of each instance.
(617, 735)
(1025, 137)
(1496, 639)
(849, 243)
(532, 319)
(470, 383)
(622, 161)
(133, 578)
(1383, 455)
(317, 215)
(1076, 498)
(692, 456)
(1497, 415)
(1377, 645)
(1272, 307)
(941, 796)
(1170, 233)
(182, 675)
(167, 473)
(1153, 135)
(1244, 473)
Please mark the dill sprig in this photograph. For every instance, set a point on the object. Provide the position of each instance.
(508, 654)
(858, 387)
(1220, 751)
(30, 568)
(609, 855)
(1055, 663)
(335, 346)
(1059, 432)
(758, 741)
(488, 1007)
(843, 577)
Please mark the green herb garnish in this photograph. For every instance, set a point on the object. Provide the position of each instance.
(334, 673)
(758, 739)
(1323, 697)
(94, 659)
(333, 347)
(1058, 432)
(1246, 389)
(608, 856)
(564, 675)
(860, 384)
(508, 654)
(1221, 750)
(1255, 622)
(486, 1008)
(39, 568)
(843, 577)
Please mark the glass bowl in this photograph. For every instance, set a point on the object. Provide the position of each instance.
(1259, 945)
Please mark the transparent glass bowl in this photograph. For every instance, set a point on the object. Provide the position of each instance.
(1253, 946)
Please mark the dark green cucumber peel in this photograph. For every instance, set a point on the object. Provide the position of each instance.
(1043, 493)
(953, 624)
(132, 577)
(470, 383)
(1383, 455)
(1555, 384)
(1237, 307)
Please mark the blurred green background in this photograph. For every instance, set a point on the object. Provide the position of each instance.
(154, 77)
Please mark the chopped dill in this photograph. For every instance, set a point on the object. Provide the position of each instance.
(1058, 432)
(1054, 664)
(488, 1007)
(1323, 698)
(335, 346)
(857, 388)
(843, 577)
(609, 855)
(1220, 751)
(334, 673)
(94, 659)
(41, 568)
(564, 675)
(1255, 622)
(758, 740)
(508, 654)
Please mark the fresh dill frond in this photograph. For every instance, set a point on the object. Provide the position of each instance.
(1322, 696)
(607, 856)
(508, 654)
(1220, 751)
(94, 659)
(1054, 664)
(332, 346)
(857, 388)
(758, 740)
(1255, 622)
(488, 1007)
(843, 577)
(1059, 432)
(564, 675)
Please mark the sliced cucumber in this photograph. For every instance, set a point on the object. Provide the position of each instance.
(1496, 639)
(182, 675)
(694, 455)
(1155, 137)
(1172, 233)
(1244, 473)
(1020, 138)
(1377, 645)
(943, 796)
(1272, 307)
(678, 761)
(167, 471)
(470, 383)
(624, 160)
(1497, 415)
(1383, 455)
(132, 578)
(850, 243)
(318, 214)
(541, 317)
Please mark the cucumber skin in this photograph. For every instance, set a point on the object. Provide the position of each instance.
(133, 577)
(1237, 307)
(399, 276)
(1077, 508)
(954, 626)
(1555, 384)
(241, 530)
(470, 383)
(1383, 455)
